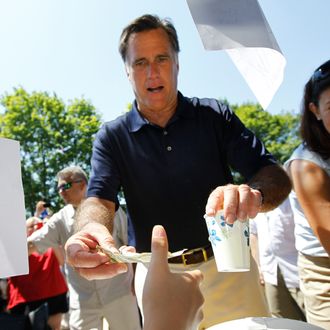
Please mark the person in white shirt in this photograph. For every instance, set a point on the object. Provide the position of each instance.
(309, 169)
(90, 300)
(273, 246)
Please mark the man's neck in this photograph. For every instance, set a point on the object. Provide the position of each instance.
(161, 117)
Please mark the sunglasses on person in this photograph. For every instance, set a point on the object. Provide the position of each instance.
(321, 73)
(66, 186)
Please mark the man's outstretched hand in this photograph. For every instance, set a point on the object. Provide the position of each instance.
(82, 255)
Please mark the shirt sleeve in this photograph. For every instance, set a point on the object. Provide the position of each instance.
(104, 180)
(48, 235)
(246, 153)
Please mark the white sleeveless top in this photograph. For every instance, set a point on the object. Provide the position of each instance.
(306, 241)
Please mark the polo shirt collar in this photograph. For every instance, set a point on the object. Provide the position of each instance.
(137, 121)
(134, 119)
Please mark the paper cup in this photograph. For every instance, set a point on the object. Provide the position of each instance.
(230, 243)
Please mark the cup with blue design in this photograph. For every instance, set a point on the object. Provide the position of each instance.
(230, 243)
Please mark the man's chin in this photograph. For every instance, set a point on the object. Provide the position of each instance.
(66, 201)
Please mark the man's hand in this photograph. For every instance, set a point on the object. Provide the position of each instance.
(32, 224)
(170, 300)
(238, 202)
(243, 202)
(81, 253)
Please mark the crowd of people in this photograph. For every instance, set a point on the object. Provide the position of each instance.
(172, 156)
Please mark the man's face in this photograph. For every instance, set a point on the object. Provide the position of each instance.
(152, 68)
(72, 191)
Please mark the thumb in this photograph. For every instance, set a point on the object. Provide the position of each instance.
(159, 248)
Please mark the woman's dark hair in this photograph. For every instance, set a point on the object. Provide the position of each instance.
(147, 23)
(312, 131)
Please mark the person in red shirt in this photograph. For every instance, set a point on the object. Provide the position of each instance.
(45, 283)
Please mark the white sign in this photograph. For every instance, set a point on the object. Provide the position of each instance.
(13, 246)
(240, 28)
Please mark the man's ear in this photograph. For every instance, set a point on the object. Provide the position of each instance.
(127, 71)
(313, 108)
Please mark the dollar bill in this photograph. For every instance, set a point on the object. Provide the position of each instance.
(133, 257)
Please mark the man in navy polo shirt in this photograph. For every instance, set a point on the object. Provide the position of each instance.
(172, 156)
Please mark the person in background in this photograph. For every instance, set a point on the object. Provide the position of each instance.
(3, 295)
(273, 246)
(43, 210)
(45, 284)
(168, 154)
(309, 169)
(90, 301)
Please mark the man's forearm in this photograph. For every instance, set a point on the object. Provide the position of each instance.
(95, 210)
(274, 184)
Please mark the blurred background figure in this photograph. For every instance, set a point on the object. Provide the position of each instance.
(309, 169)
(41, 294)
(90, 301)
(273, 246)
(43, 210)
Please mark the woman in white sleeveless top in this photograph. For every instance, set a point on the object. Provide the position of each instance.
(309, 169)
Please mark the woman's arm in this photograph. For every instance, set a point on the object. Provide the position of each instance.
(312, 186)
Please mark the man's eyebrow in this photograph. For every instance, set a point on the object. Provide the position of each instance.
(139, 59)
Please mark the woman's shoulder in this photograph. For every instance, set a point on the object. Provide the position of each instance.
(308, 159)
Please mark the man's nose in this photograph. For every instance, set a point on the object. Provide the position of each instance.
(153, 69)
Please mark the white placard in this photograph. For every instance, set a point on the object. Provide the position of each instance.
(13, 247)
(240, 28)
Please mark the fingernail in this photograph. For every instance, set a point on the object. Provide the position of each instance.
(158, 231)
(230, 219)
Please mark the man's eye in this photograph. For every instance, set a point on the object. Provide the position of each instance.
(162, 59)
(140, 63)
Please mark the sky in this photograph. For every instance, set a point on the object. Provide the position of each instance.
(70, 47)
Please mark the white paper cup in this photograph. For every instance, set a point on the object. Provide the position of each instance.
(230, 243)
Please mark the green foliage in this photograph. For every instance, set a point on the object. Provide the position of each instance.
(279, 132)
(52, 135)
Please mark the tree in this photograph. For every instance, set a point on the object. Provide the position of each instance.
(52, 135)
(279, 132)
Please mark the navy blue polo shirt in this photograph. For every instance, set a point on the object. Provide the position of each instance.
(168, 173)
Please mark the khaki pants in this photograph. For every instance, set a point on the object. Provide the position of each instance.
(314, 273)
(285, 302)
(228, 296)
(120, 314)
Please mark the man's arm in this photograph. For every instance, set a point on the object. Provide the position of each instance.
(32, 224)
(93, 225)
(274, 184)
(266, 190)
(94, 209)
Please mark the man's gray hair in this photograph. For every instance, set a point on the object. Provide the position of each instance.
(73, 173)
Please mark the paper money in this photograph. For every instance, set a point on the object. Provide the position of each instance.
(133, 257)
